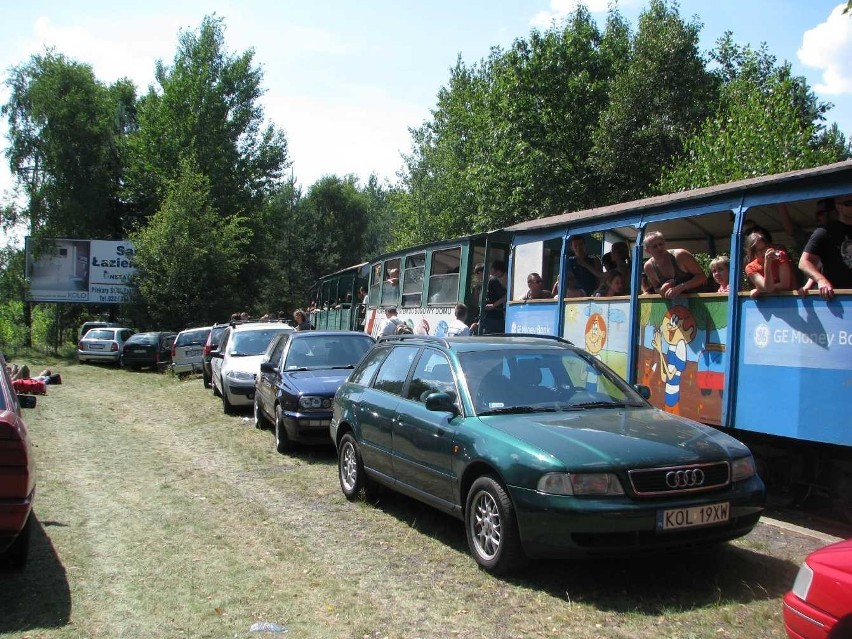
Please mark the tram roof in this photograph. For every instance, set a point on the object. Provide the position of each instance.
(346, 269)
(691, 198)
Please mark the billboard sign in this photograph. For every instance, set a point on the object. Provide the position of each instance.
(80, 271)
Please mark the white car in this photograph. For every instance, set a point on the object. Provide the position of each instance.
(188, 350)
(102, 344)
(236, 362)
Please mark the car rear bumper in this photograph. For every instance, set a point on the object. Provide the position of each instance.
(187, 367)
(98, 356)
(13, 517)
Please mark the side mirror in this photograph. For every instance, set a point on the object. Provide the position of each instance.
(217, 354)
(442, 403)
(643, 391)
(27, 401)
(267, 367)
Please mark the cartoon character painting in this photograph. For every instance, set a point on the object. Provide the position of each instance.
(595, 342)
(677, 330)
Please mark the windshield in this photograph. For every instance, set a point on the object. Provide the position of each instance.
(516, 381)
(326, 351)
(254, 342)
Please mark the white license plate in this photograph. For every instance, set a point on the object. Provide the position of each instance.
(96, 347)
(693, 517)
(138, 350)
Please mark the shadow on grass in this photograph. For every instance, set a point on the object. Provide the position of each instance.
(37, 596)
(651, 584)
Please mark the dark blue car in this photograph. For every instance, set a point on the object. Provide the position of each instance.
(299, 375)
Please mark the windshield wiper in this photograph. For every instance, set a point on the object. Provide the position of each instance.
(599, 405)
(508, 410)
(342, 367)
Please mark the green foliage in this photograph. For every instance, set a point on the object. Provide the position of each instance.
(767, 122)
(662, 93)
(188, 258)
(64, 129)
(206, 105)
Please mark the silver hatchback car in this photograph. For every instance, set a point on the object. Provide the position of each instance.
(102, 344)
(188, 350)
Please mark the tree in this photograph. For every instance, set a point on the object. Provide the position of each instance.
(206, 105)
(64, 133)
(767, 121)
(660, 96)
(189, 259)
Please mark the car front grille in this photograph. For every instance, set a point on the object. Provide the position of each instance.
(679, 480)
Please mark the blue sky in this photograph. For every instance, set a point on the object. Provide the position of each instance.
(345, 79)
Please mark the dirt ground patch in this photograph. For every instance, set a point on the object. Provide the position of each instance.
(159, 516)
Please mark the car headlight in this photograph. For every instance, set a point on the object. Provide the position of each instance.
(309, 401)
(743, 468)
(240, 376)
(802, 585)
(580, 484)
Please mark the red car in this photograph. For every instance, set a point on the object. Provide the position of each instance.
(17, 475)
(820, 604)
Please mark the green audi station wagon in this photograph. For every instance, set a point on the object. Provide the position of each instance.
(541, 450)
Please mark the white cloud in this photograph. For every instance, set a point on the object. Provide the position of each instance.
(559, 9)
(366, 134)
(828, 47)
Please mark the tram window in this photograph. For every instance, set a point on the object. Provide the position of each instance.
(326, 293)
(390, 285)
(344, 290)
(444, 276)
(374, 297)
(412, 288)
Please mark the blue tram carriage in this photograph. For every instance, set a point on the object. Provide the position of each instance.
(776, 369)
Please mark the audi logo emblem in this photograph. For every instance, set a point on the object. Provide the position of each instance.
(685, 478)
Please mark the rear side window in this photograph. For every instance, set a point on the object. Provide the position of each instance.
(394, 370)
(100, 333)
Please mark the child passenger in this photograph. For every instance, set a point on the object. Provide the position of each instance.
(720, 269)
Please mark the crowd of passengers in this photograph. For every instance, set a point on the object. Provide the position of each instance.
(825, 263)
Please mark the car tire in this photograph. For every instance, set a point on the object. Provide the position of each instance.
(207, 381)
(491, 527)
(216, 391)
(15, 557)
(350, 470)
(260, 421)
(227, 406)
(283, 444)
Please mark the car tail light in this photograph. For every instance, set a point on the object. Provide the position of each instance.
(114, 347)
(81, 346)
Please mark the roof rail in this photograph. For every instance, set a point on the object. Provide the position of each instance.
(555, 338)
(424, 338)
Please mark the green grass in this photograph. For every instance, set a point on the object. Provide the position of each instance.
(159, 516)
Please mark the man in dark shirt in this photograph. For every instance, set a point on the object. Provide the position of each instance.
(831, 245)
(587, 269)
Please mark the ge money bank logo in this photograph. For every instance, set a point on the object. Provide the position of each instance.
(761, 335)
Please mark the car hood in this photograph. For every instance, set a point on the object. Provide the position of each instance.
(608, 438)
(317, 382)
(245, 364)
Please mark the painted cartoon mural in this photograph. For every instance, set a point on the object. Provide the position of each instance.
(677, 330)
(601, 328)
(681, 354)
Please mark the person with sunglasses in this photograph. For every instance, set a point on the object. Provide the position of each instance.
(832, 245)
(536, 288)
